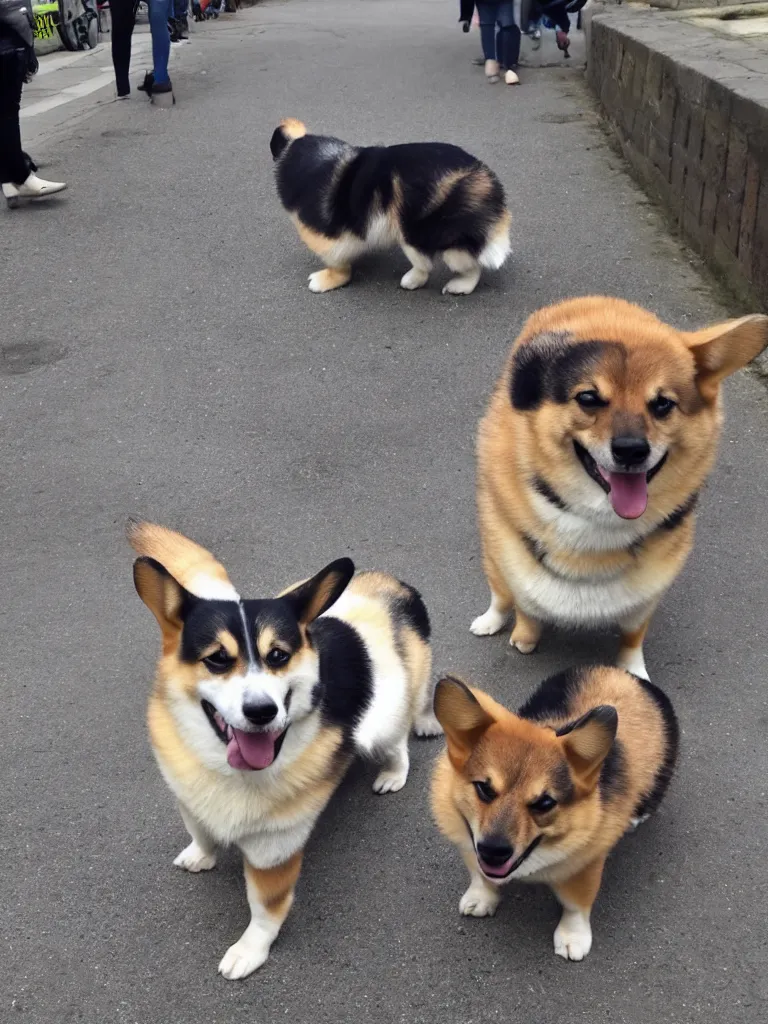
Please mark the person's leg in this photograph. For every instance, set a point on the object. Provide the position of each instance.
(508, 39)
(487, 16)
(122, 13)
(159, 13)
(13, 166)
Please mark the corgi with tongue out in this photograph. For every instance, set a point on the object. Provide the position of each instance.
(259, 706)
(600, 433)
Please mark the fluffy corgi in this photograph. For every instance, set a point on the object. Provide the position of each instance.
(600, 433)
(545, 795)
(259, 707)
(430, 198)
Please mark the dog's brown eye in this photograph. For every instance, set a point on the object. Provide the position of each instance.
(277, 657)
(590, 400)
(219, 661)
(485, 791)
(661, 407)
(543, 804)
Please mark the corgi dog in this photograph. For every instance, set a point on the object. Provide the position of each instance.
(545, 795)
(596, 442)
(259, 707)
(430, 198)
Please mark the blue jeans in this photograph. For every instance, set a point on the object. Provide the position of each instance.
(159, 13)
(180, 8)
(502, 14)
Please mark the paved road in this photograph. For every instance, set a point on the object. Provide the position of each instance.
(176, 366)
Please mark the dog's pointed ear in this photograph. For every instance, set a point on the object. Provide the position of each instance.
(316, 595)
(723, 348)
(290, 128)
(162, 594)
(587, 742)
(189, 564)
(463, 718)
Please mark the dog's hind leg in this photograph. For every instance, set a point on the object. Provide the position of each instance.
(200, 855)
(466, 267)
(270, 897)
(418, 275)
(394, 774)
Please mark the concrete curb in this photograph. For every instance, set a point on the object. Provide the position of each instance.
(689, 110)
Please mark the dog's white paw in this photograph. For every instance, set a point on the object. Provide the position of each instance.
(488, 623)
(318, 281)
(461, 285)
(524, 646)
(633, 661)
(427, 725)
(390, 781)
(414, 279)
(573, 936)
(478, 901)
(194, 858)
(637, 822)
(243, 958)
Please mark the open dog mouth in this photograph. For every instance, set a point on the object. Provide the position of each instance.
(628, 491)
(498, 872)
(248, 751)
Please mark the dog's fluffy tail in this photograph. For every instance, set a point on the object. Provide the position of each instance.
(498, 247)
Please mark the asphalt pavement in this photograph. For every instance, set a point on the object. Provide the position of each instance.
(162, 356)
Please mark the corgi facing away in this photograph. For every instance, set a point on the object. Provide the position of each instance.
(545, 795)
(259, 707)
(598, 438)
(430, 198)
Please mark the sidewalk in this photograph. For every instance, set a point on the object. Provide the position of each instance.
(69, 86)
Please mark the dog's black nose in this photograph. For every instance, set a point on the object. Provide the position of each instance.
(494, 850)
(260, 712)
(630, 451)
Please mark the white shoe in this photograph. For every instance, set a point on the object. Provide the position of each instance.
(511, 78)
(32, 188)
(492, 71)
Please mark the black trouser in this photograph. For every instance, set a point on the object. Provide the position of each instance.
(123, 17)
(13, 161)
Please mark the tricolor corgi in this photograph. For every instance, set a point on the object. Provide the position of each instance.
(430, 198)
(259, 707)
(545, 795)
(598, 438)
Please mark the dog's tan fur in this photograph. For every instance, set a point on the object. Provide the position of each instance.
(515, 448)
(523, 758)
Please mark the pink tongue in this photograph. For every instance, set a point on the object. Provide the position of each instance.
(629, 494)
(251, 750)
(499, 871)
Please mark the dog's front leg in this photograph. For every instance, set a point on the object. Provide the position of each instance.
(633, 632)
(573, 936)
(330, 278)
(200, 855)
(270, 895)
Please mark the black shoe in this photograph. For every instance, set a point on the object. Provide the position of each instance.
(148, 84)
(161, 88)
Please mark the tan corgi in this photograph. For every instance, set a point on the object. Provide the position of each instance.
(600, 433)
(545, 795)
(259, 707)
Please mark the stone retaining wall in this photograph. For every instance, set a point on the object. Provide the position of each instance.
(690, 112)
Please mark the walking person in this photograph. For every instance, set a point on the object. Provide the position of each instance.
(18, 63)
(123, 14)
(501, 49)
(157, 82)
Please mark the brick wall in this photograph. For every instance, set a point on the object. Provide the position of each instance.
(690, 111)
